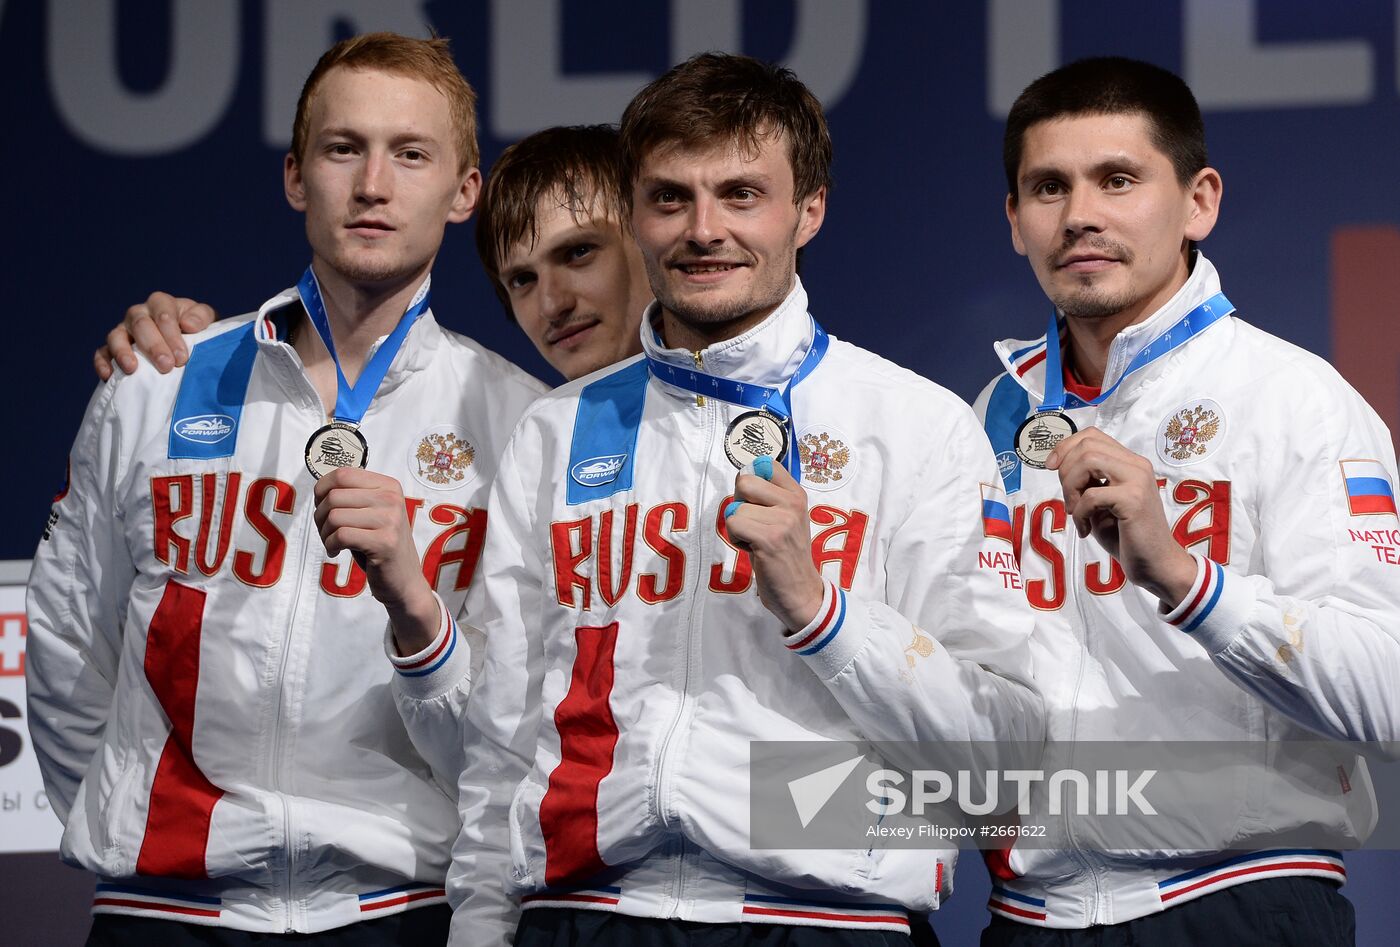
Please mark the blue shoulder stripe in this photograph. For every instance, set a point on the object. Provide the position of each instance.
(1006, 409)
(204, 422)
(602, 453)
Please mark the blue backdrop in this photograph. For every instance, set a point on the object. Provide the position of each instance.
(145, 141)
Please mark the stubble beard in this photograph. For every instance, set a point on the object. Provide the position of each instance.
(1090, 302)
(698, 312)
(1086, 299)
(374, 271)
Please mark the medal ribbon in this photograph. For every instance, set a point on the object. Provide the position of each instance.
(352, 401)
(776, 402)
(1193, 323)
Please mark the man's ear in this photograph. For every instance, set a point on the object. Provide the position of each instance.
(812, 211)
(292, 184)
(465, 200)
(1013, 220)
(1204, 195)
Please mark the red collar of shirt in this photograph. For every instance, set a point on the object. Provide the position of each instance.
(1081, 391)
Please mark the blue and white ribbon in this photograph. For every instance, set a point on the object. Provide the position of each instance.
(1193, 323)
(352, 401)
(777, 402)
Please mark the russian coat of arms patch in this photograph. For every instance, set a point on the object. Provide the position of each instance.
(1191, 432)
(443, 459)
(827, 459)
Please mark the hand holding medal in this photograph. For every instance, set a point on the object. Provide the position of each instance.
(768, 517)
(357, 509)
(1112, 492)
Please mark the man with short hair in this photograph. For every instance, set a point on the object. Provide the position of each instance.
(1195, 506)
(659, 590)
(215, 725)
(552, 234)
(553, 238)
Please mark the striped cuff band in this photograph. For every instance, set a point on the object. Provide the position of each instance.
(823, 629)
(1201, 600)
(443, 650)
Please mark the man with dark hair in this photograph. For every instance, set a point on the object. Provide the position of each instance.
(1220, 583)
(553, 238)
(732, 538)
(209, 702)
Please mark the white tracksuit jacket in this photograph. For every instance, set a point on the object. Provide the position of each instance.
(1273, 468)
(625, 637)
(207, 697)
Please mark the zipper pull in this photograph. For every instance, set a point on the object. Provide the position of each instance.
(700, 364)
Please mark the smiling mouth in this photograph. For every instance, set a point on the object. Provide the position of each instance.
(697, 269)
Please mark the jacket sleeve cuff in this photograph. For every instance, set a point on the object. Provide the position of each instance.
(438, 667)
(829, 641)
(1214, 612)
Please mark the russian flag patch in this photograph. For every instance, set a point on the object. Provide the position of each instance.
(996, 514)
(1368, 487)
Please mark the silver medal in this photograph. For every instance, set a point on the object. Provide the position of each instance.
(338, 444)
(752, 435)
(1038, 434)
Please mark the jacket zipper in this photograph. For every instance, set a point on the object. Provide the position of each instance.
(664, 756)
(275, 762)
(699, 364)
(1072, 571)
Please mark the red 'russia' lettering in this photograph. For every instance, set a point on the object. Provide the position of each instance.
(740, 575)
(208, 502)
(611, 590)
(172, 499)
(1094, 579)
(849, 529)
(1211, 501)
(572, 545)
(1042, 594)
(460, 521)
(653, 534)
(579, 575)
(351, 585)
(1018, 531)
(283, 501)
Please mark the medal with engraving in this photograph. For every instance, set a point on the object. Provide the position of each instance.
(338, 444)
(1038, 434)
(754, 434)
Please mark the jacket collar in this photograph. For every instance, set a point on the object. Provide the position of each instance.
(768, 354)
(1024, 360)
(416, 354)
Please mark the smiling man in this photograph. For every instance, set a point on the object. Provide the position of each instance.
(208, 698)
(1192, 500)
(732, 538)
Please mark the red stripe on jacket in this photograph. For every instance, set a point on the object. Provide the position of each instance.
(182, 798)
(587, 738)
